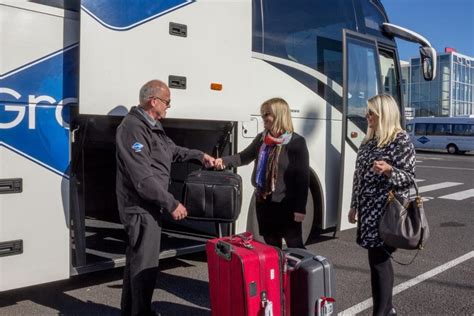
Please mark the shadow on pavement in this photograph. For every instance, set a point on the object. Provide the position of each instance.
(190, 290)
(172, 309)
(318, 238)
(57, 300)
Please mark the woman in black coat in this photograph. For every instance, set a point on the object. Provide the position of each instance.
(385, 161)
(280, 175)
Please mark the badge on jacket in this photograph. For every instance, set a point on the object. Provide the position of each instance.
(137, 147)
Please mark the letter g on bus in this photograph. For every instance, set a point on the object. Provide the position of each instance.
(10, 108)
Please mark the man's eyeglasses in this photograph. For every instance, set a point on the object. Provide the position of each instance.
(264, 115)
(165, 102)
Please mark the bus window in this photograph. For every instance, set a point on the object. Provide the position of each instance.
(372, 16)
(389, 74)
(441, 129)
(463, 129)
(292, 31)
(362, 82)
(305, 33)
(430, 129)
(420, 128)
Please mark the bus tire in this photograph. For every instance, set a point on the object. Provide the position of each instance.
(452, 149)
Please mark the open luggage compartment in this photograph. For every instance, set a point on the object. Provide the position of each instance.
(98, 238)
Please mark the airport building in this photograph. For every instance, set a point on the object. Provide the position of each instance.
(451, 93)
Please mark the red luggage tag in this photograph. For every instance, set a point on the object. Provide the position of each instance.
(325, 306)
(245, 239)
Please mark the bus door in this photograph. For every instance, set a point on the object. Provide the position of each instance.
(369, 68)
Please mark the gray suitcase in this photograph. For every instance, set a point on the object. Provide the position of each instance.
(310, 284)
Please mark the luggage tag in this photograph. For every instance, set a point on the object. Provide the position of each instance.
(245, 239)
(269, 308)
(325, 306)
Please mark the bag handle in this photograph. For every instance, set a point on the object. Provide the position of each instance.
(413, 183)
(243, 239)
(418, 198)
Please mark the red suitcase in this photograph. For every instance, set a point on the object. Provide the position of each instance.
(245, 277)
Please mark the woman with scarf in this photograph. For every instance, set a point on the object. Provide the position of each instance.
(280, 175)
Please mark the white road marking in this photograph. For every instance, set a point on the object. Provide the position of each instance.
(451, 168)
(458, 196)
(432, 158)
(408, 284)
(419, 180)
(437, 186)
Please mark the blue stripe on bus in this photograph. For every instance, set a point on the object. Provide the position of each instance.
(29, 113)
(123, 14)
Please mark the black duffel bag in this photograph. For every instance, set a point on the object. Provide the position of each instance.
(213, 195)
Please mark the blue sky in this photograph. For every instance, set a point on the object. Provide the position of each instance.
(445, 23)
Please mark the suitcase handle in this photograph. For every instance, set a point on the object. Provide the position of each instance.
(245, 239)
(224, 250)
(293, 260)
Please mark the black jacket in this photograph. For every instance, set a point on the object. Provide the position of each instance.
(144, 157)
(293, 170)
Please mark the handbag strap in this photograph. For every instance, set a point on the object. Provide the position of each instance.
(401, 263)
(413, 182)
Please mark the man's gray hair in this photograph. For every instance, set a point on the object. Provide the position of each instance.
(150, 89)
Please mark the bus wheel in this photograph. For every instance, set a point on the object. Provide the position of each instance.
(452, 149)
(308, 222)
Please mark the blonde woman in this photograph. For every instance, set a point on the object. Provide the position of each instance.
(385, 161)
(280, 175)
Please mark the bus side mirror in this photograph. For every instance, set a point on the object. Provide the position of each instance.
(428, 62)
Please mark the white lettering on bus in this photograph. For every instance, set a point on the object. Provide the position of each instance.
(33, 102)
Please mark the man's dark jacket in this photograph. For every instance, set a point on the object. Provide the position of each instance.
(144, 157)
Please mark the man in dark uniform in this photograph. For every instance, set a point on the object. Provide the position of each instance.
(144, 157)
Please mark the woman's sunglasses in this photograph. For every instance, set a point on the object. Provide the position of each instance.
(264, 115)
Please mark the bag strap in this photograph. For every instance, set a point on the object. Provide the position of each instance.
(413, 182)
(416, 187)
(224, 139)
(399, 262)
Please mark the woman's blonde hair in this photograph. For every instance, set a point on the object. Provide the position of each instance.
(386, 109)
(281, 112)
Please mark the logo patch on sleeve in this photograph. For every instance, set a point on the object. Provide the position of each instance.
(137, 147)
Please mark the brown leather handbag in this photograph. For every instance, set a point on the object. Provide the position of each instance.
(403, 223)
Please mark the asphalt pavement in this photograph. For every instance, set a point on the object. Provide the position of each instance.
(439, 282)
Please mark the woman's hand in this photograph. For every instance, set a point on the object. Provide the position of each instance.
(352, 215)
(219, 164)
(382, 167)
(208, 161)
(299, 217)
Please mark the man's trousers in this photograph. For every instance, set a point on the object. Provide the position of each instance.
(141, 267)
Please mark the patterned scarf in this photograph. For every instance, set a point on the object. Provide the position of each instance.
(267, 163)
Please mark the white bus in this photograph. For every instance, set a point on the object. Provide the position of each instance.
(454, 134)
(70, 71)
